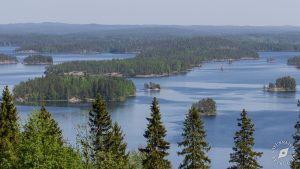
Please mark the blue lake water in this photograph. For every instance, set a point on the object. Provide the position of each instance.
(238, 86)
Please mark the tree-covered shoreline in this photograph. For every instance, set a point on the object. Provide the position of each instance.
(38, 60)
(163, 58)
(294, 61)
(73, 89)
(282, 84)
(8, 59)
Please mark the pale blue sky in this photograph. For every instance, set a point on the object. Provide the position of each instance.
(179, 12)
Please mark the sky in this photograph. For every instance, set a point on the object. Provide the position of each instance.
(160, 12)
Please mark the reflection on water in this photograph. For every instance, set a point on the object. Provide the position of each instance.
(238, 86)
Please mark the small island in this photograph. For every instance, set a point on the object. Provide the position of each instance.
(294, 61)
(73, 89)
(283, 84)
(206, 107)
(271, 60)
(38, 60)
(8, 59)
(151, 86)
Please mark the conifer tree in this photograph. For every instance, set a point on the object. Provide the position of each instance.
(42, 145)
(118, 146)
(295, 163)
(9, 131)
(194, 145)
(100, 129)
(243, 156)
(53, 128)
(156, 150)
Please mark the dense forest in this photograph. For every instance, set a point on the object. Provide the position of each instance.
(295, 61)
(162, 58)
(38, 59)
(8, 59)
(73, 88)
(282, 84)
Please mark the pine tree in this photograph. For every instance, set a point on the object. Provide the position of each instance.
(195, 146)
(100, 129)
(156, 150)
(9, 131)
(243, 156)
(42, 145)
(295, 163)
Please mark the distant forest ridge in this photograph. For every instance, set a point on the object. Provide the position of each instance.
(64, 28)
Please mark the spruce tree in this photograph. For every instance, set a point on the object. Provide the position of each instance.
(42, 146)
(295, 163)
(53, 128)
(100, 129)
(118, 146)
(156, 150)
(243, 156)
(9, 131)
(194, 145)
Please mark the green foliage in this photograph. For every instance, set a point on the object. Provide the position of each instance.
(162, 57)
(38, 59)
(151, 86)
(9, 131)
(42, 146)
(118, 147)
(295, 163)
(287, 83)
(156, 150)
(294, 61)
(206, 106)
(243, 156)
(108, 147)
(194, 144)
(56, 88)
(8, 59)
(136, 159)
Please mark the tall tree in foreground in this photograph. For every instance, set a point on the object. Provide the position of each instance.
(194, 145)
(156, 150)
(42, 145)
(100, 130)
(244, 157)
(118, 147)
(9, 131)
(295, 163)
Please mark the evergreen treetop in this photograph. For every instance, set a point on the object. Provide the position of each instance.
(100, 125)
(156, 149)
(295, 163)
(243, 156)
(9, 131)
(194, 144)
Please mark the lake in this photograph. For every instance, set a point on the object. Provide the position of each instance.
(237, 87)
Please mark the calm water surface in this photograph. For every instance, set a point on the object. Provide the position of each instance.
(239, 86)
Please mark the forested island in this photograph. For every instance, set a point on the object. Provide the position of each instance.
(73, 88)
(151, 86)
(38, 60)
(8, 59)
(163, 58)
(282, 84)
(295, 61)
(206, 107)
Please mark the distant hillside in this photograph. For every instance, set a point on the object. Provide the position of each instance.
(63, 28)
